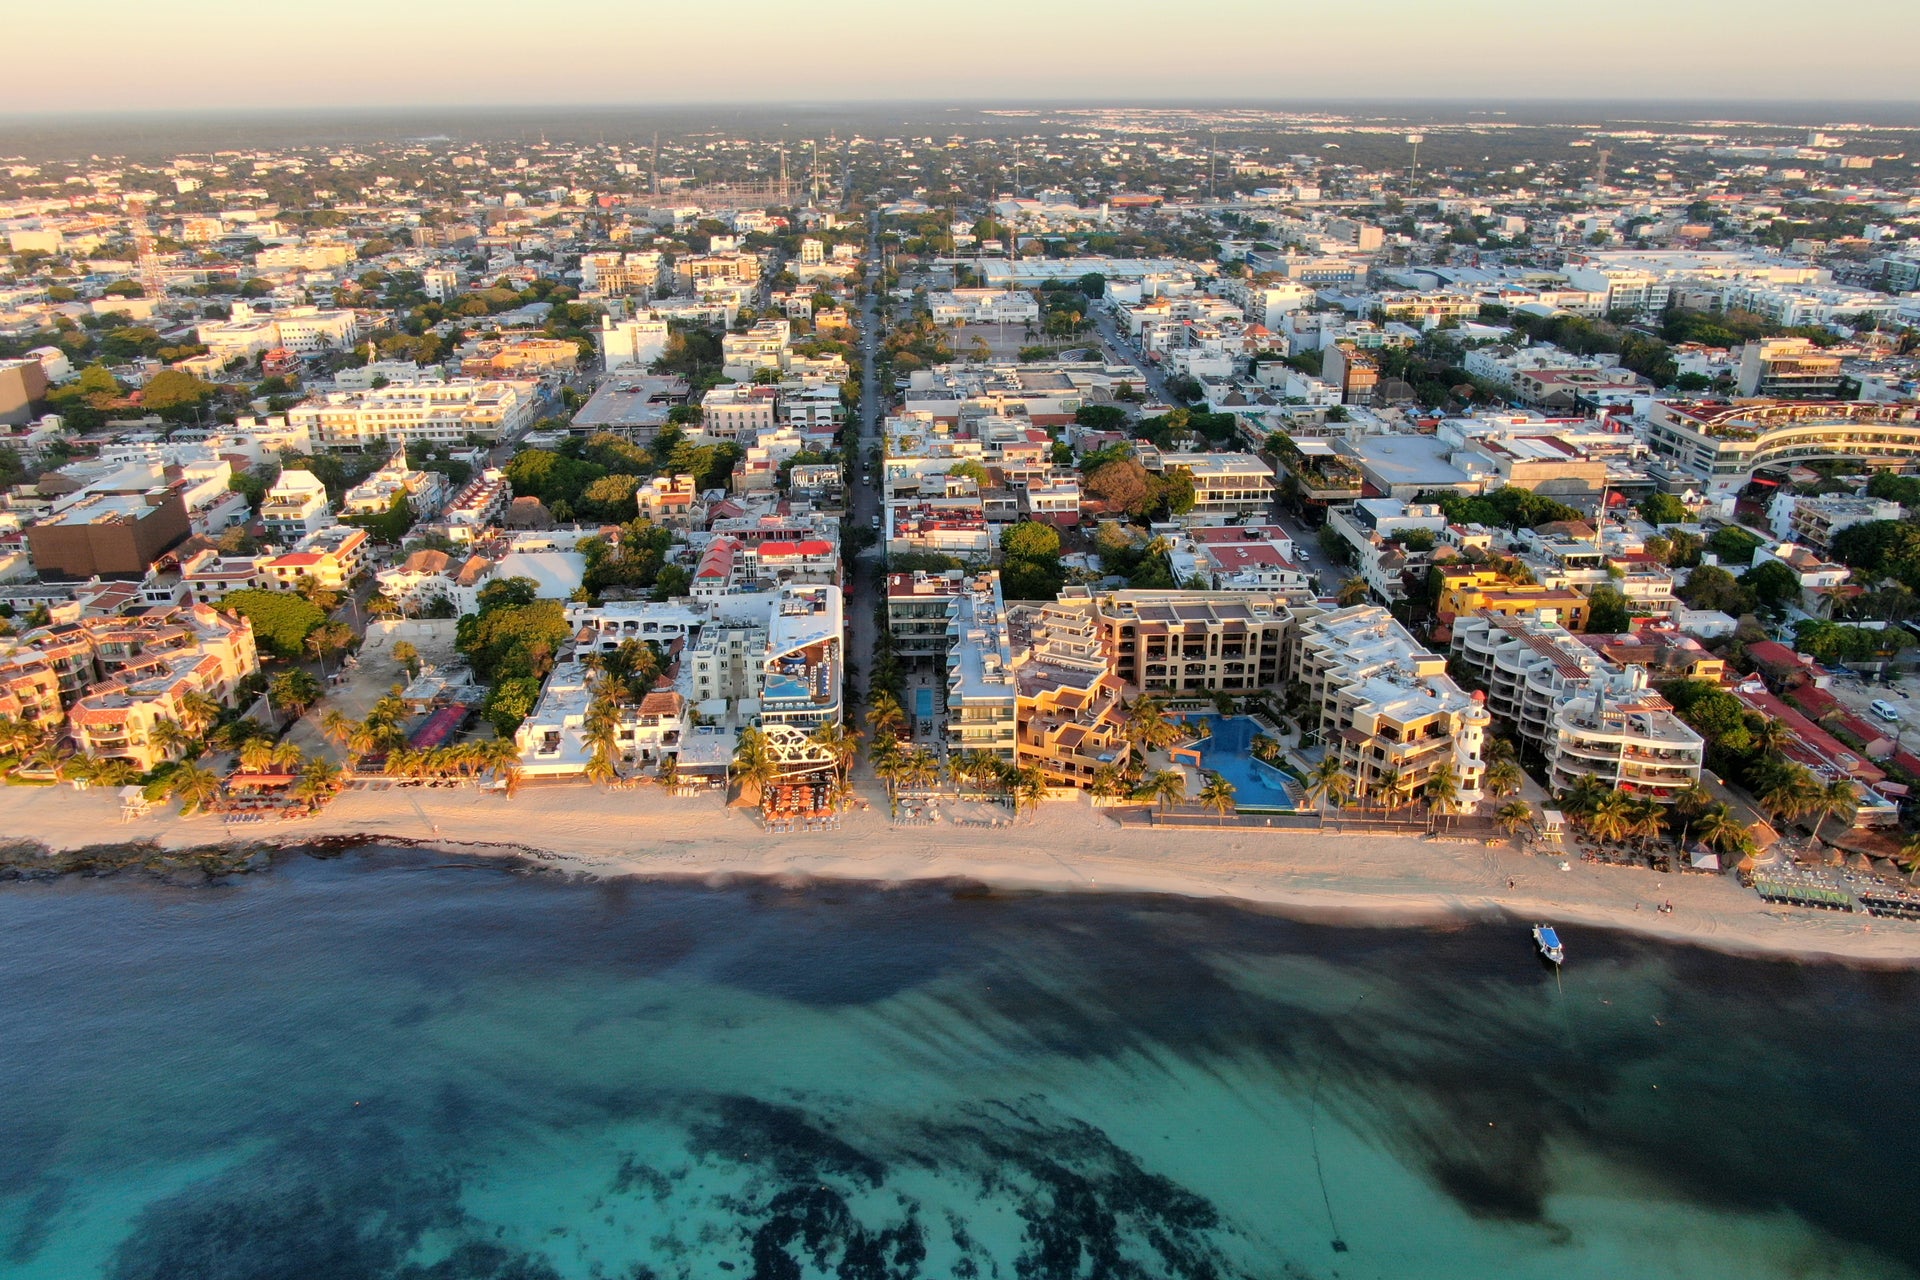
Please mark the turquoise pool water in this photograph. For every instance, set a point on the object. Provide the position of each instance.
(1228, 751)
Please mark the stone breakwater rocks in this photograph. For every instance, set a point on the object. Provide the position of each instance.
(33, 861)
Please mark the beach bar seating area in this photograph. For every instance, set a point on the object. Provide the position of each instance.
(803, 805)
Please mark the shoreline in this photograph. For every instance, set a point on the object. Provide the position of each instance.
(1356, 880)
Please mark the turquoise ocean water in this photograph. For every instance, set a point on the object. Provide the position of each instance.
(388, 1065)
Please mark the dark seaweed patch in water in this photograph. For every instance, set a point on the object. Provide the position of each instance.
(312, 1207)
(748, 1131)
(639, 1176)
(1090, 1209)
(816, 1222)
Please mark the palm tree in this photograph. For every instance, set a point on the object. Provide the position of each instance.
(1266, 748)
(198, 713)
(336, 726)
(325, 639)
(1026, 787)
(319, 780)
(1788, 791)
(1108, 783)
(1583, 796)
(114, 771)
(753, 763)
(1513, 815)
(1910, 855)
(668, 771)
(1719, 829)
(884, 715)
(1646, 819)
(1387, 784)
(1353, 591)
(1837, 796)
(1612, 817)
(840, 741)
(256, 755)
(1499, 748)
(1688, 803)
(922, 768)
(600, 768)
(293, 691)
(1168, 787)
(1329, 784)
(407, 656)
(235, 734)
(1147, 727)
(1504, 777)
(1441, 790)
(288, 757)
(18, 736)
(169, 737)
(1217, 794)
(1770, 736)
(891, 768)
(194, 787)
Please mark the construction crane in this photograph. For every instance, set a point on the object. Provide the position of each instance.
(153, 282)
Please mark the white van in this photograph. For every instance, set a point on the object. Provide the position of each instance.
(1884, 709)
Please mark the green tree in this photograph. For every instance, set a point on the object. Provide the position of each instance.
(293, 691)
(175, 395)
(1030, 565)
(1733, 544)
(1607, 611)
(281, 620)
(1664, 508)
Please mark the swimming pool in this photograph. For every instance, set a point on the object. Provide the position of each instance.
(1228, 751)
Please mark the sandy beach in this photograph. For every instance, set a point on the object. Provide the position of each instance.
(1063, 847)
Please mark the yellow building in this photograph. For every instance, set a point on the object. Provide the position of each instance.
(1465, 592)
(1067, 705)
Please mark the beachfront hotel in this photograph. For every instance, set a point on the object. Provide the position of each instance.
(1068, 712)
(112, 679)
(1389, 712)
(1587, 716)
(981, 702)
(1190, 642)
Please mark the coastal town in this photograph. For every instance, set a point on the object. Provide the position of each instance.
(1133, 486)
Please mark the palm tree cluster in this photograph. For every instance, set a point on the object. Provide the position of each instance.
(382, 734)
(1694, 814)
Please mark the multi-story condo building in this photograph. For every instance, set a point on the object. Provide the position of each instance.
(804, 666)
(1624, 734)
(480, 504)
(119, 676)
(432, 413)
(1388, 710)
(331, 558)
(425, 491)
(980, 684)
(1723, 444)
(738, 411)
(918, 606)
(1225, 485)
(1067, 700)
(631, 344)
(1191, 641)
(1812, 519)
(1586, 716)
(1469, 590)
(295, 507)
(1790, 368)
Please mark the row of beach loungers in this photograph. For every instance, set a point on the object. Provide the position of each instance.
(1799, 891)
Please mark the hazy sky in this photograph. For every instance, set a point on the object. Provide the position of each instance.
(149, 54)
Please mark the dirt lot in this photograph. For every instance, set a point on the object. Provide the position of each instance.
(375, 672)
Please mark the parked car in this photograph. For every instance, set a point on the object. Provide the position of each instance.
(1884, 709)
